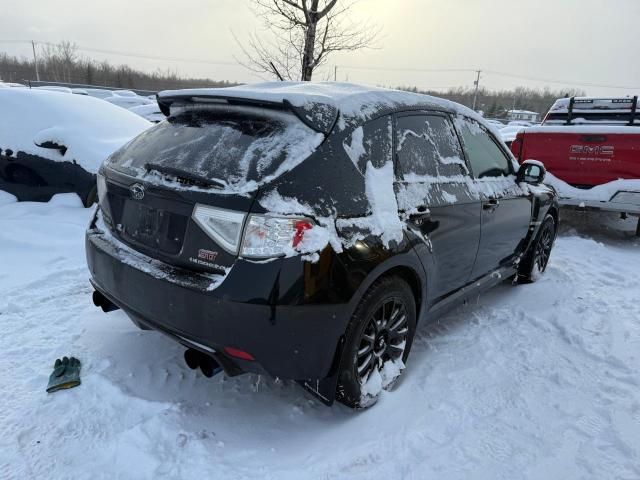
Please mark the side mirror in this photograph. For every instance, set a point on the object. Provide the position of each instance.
(531, 171)
(53, 146)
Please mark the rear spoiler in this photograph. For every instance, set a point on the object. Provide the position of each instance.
(320, 117)
(583, 101)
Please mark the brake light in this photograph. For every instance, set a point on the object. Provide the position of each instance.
(516, 146)
(267, 236)
(300, 227)
(241, 354)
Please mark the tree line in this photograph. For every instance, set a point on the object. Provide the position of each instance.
(62, 63)
(496, 104)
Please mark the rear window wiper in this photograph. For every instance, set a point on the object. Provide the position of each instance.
(185, 177)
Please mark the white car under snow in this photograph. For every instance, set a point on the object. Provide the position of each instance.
(51, 142)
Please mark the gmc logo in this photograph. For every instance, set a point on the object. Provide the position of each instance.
(596, 150)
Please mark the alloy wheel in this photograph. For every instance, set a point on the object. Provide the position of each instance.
(543, 249)
(383, 339)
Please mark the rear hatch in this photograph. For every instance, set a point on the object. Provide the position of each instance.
(181, 191)
(583, 156)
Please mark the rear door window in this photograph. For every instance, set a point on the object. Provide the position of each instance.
(237, 147)
(371, 142)
(485, 156)
(427, 145)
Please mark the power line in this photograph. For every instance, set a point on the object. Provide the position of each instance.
(408, 69)
(563, 82)
(132, 54)
(351, 67)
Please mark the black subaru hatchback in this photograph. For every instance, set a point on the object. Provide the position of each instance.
(304, 230)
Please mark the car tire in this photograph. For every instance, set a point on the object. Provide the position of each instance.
(378, 341)
(92, 197)
(535, 262)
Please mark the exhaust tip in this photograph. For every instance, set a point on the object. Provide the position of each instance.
(207, 364)
(192, 358)
(99, 300)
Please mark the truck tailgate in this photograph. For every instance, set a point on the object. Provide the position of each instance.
(583, 156)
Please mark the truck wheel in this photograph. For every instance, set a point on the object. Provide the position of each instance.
(535, 262)
(378, 342)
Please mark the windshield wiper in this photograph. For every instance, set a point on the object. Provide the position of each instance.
(183, 176)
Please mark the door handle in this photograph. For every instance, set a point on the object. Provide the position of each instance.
(420, 216)
(491, 204)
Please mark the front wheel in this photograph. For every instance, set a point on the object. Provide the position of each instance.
(535, 262)
(378, 341)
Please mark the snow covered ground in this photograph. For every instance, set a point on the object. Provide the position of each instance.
(538, 381)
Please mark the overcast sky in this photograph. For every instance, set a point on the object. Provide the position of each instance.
(582, 41)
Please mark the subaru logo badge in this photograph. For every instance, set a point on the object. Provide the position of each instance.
(137, 191)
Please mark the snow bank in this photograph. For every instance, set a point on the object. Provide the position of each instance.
(521, 382)
(599, 193)
(90, 128)
(6, 198)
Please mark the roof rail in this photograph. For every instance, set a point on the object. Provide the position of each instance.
(572, 101)
(634, 107)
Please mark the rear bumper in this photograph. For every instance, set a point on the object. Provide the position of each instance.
(245, 310)
(607, 206)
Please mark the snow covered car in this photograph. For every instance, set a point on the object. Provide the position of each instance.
(128, 101)
(304, 230)
(51, 142)
(149, 112)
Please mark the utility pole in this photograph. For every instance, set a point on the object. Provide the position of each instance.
(35, 59)
(477, 84)
(335, 73)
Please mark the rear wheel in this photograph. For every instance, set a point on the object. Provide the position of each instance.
(378, 342)
(535, 262)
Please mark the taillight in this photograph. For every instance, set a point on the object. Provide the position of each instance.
(264, 236)
(101, 183)
(267, 236)
(516, 146)
(300, 227)
(223, 226)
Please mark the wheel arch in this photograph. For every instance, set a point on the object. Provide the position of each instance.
(408, 268)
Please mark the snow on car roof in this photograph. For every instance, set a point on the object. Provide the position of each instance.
(623, 104)
(90, 128)
(356, 103)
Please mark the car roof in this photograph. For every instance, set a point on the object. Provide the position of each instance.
(321, 102)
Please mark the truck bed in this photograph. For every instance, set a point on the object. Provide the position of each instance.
(584, 155)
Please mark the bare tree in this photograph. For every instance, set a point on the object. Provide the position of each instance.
(303, 33)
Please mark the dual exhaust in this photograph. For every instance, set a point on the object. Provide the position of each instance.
(207, 364)
(194, 358)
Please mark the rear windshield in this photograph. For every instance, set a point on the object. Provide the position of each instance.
(235, 148)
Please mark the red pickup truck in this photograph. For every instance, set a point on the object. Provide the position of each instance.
(591, 147)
